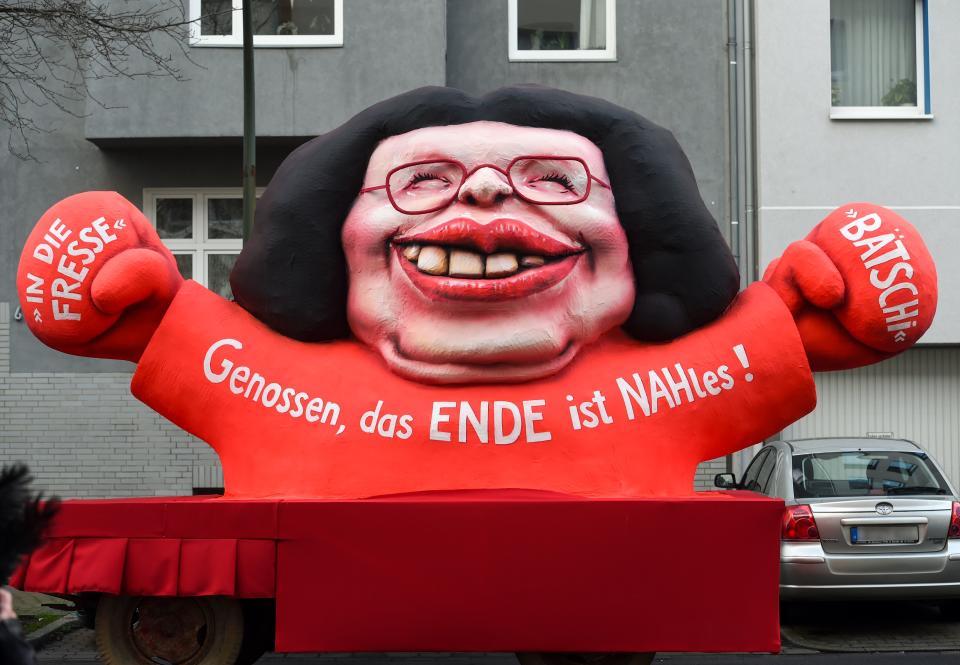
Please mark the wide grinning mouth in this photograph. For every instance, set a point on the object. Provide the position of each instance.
(463, 248)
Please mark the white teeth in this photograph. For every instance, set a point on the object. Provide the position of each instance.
(501, 265)
(532, 261)
(432, 260)
(438, 260)
(465, 264)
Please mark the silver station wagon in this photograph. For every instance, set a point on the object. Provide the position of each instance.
(864, 519)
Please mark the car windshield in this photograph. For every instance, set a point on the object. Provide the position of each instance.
(865, 473)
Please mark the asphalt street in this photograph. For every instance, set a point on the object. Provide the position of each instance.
(878, 633)
(944, 658)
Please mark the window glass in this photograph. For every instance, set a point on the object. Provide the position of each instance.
(283, 23)
(767, 472)
(218, 273)
(561, 25)
(174, 218)
(865, 473)
(185, 265)
(206, 256)
(293, 17)
(216, 17)
(752, 473)
(873, 47)
(224, 218)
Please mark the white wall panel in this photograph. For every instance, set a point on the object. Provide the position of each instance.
(914, 396)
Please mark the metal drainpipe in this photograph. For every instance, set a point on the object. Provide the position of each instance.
(249, 125)
(749, 141)
(741, 127)
(733, 141)
(733, 120)
(751, 225)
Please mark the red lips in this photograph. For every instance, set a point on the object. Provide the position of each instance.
(500, 235)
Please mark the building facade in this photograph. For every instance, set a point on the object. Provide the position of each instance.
(856, 101)
(757, 130)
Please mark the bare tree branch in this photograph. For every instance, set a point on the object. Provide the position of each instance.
(51, 51)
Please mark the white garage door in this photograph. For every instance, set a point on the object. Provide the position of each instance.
(913, 396)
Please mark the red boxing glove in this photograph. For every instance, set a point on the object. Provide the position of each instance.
(94, 277)
(862, 286)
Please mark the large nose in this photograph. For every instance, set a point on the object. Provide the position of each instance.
(485, 187)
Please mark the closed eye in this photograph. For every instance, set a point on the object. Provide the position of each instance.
(559, 178)
(428, 177)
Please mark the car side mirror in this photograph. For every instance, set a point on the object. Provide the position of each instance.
(725, 481)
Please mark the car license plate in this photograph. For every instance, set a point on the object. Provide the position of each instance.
(884, 535)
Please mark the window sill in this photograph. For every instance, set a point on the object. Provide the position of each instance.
(562, 56)
(878, 113)
(273, 43)
(257, 46)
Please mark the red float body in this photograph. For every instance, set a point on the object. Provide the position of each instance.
(373, 540)
(502, 570)
(266, 452)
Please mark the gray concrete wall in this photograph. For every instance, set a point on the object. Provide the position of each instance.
(83, 435)
(388, 48)
(671, 67)
(808, 164)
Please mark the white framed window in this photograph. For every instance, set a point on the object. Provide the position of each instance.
(879, 59)
(277, 23)
(203, 228)
(562, 30)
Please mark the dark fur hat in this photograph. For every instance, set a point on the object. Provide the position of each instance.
(292, 274)
(23, 518)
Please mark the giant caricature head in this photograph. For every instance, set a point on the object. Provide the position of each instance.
(485, 239)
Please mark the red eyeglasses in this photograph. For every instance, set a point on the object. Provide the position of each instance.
(429, 185)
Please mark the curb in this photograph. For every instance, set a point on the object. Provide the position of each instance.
(869, 643)
(65, 624)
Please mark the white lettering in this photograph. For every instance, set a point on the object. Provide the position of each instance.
(855, 229)
(633, 396)
(34, 290)
(227, 365)
(500, 437)
(64, 314)
(479, 424)
(103, 229)
(896, 287)
(530, 417)
(437, 418)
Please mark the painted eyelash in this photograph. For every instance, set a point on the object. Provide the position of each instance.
(559, 178)
(420, 177)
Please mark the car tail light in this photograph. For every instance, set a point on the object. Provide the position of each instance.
(954, 531)
(798, 524)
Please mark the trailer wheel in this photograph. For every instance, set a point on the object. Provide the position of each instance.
(535, 658)
(148, 630)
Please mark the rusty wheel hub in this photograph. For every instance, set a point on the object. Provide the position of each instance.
(171, 630)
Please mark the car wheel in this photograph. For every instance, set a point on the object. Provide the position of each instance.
(543, 658)
(147, 630)
(950, 610)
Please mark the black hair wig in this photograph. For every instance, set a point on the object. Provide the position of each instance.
(292, 273)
